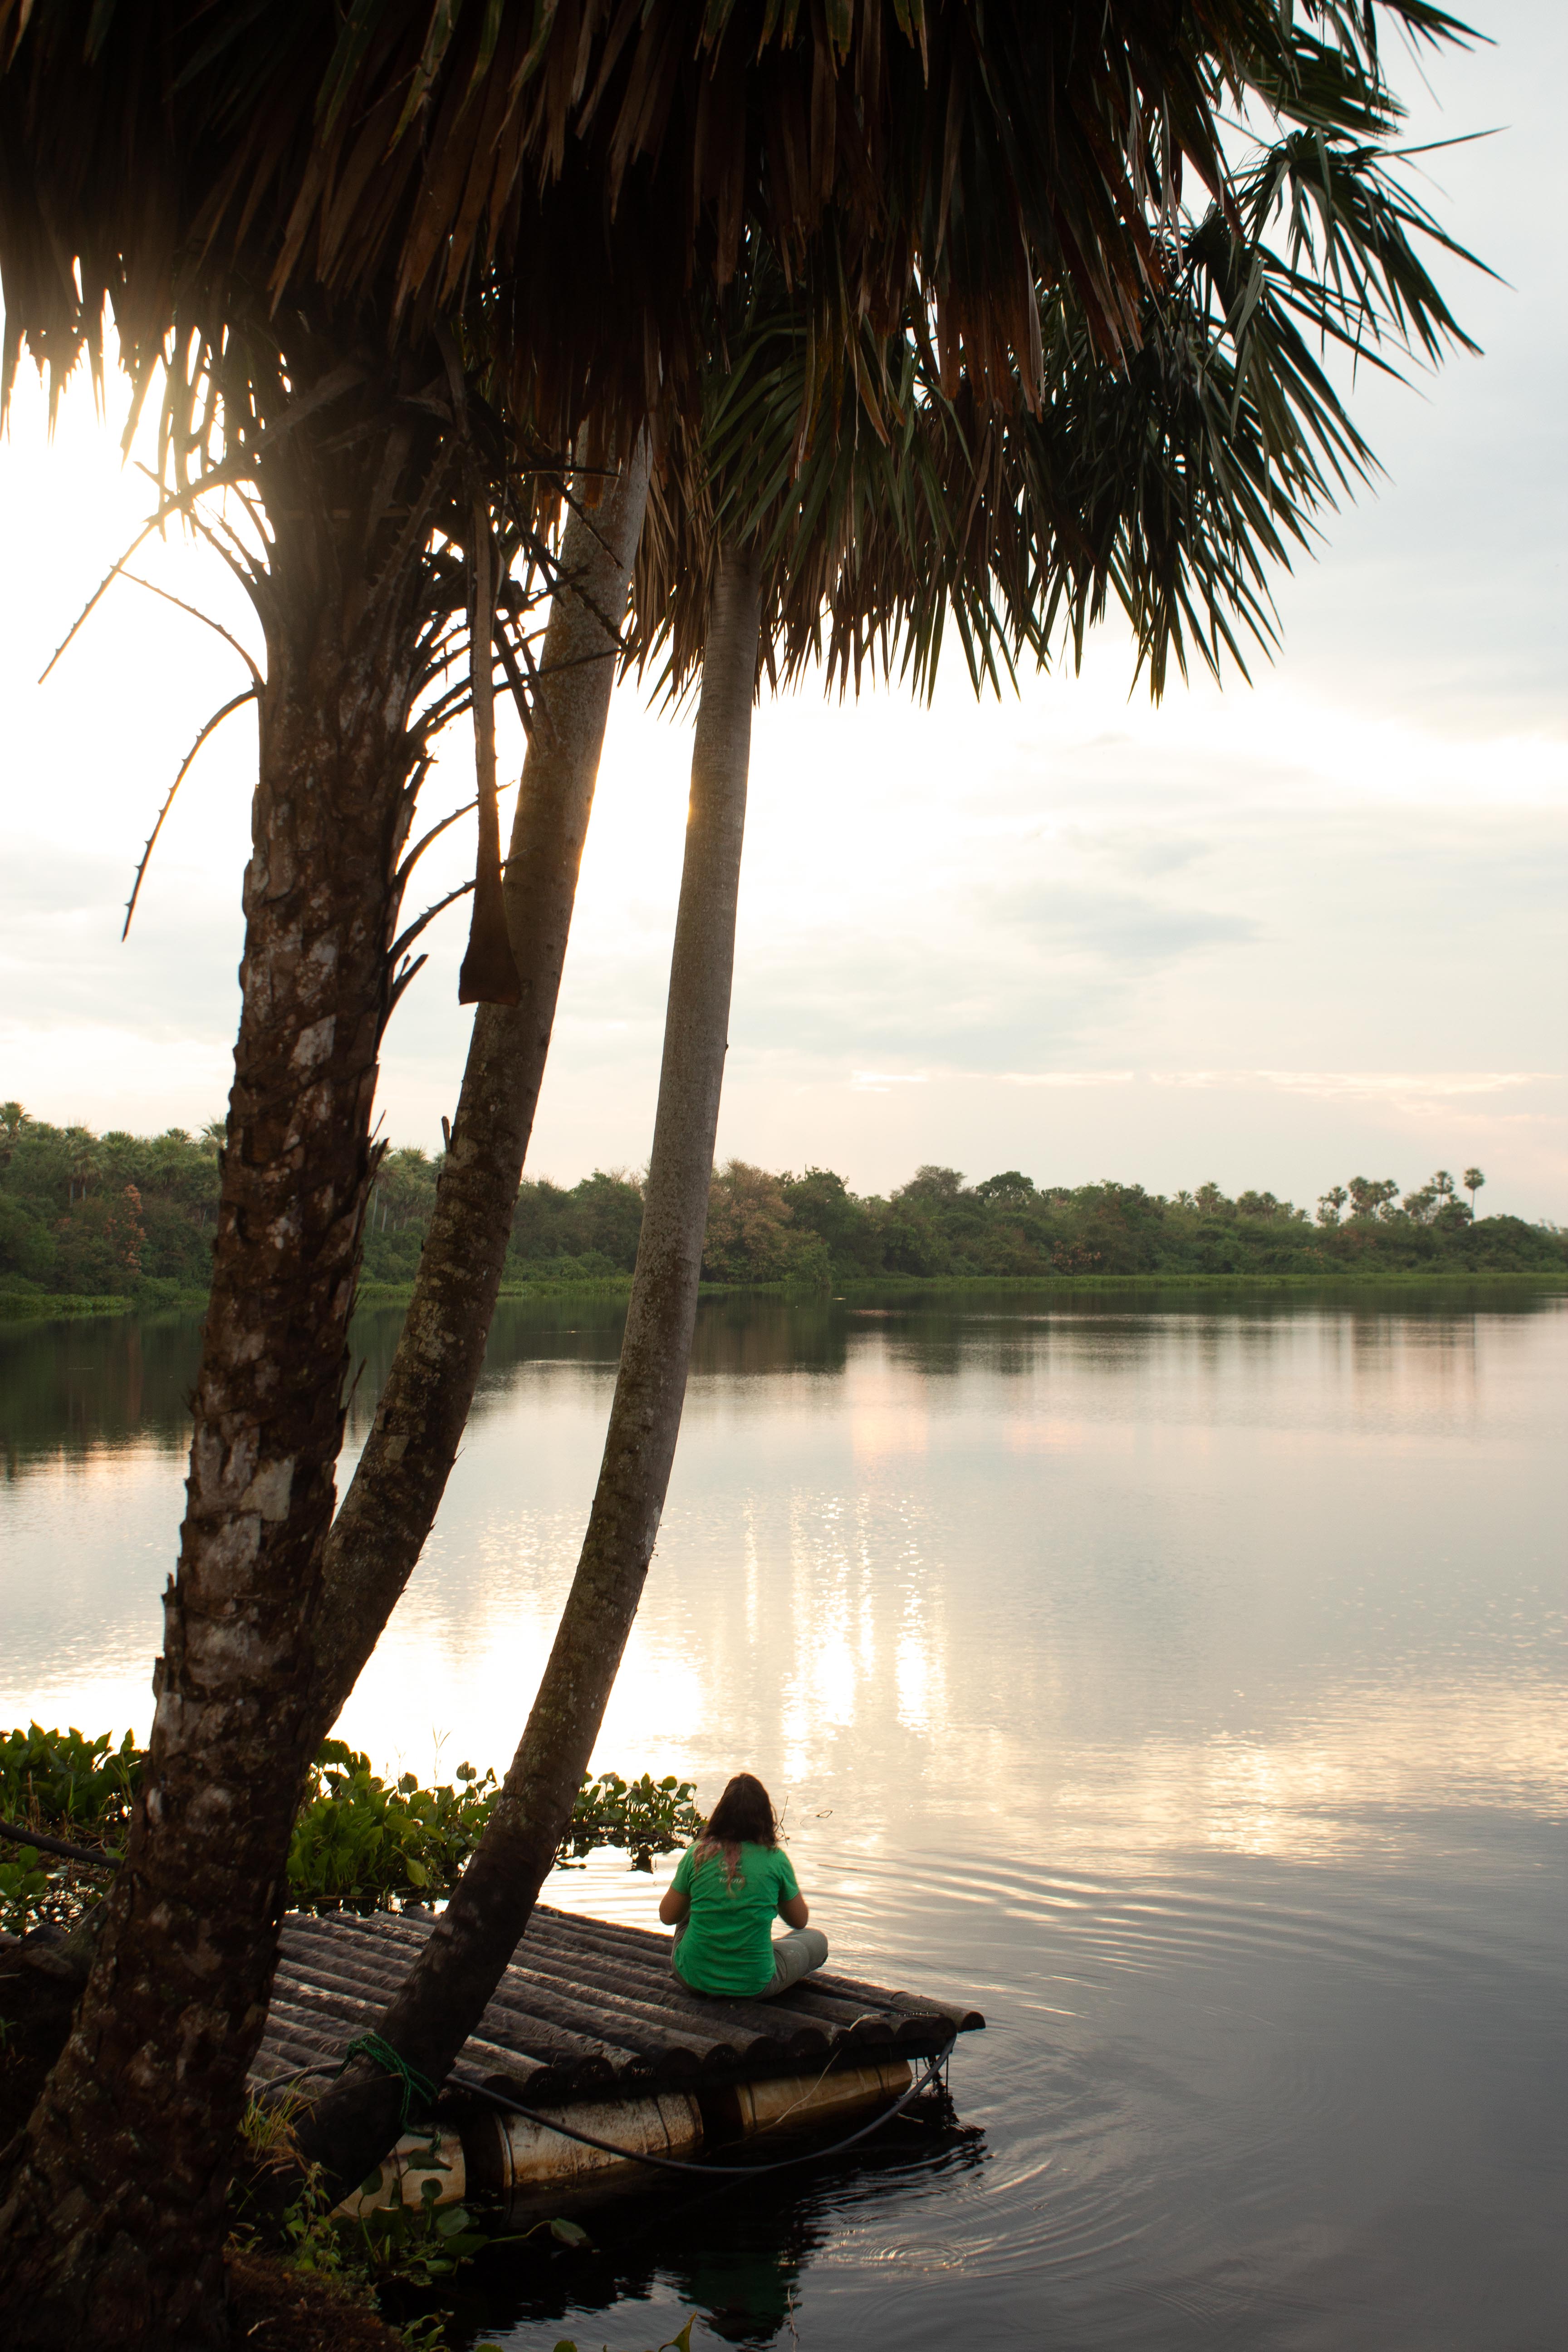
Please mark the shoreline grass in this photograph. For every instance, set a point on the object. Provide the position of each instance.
(44, 1306)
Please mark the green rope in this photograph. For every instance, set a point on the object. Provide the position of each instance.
(381, 2053)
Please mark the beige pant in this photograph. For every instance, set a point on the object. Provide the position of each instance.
(795, 1956)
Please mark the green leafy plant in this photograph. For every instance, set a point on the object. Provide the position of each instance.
(418, 2245)
(363, 1845)
(24, 1884)
(360, 1842)
(68, 1786)
(646, 1816)
(308, 2238)
(69, 1782)
(405, 2247)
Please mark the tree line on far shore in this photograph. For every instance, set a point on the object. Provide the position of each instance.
(119, 1214)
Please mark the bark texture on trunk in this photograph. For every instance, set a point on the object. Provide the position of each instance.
(387, 1512)
(462, 1961)
(112, 2222)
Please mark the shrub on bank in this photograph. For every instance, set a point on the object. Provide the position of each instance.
(361, 1843)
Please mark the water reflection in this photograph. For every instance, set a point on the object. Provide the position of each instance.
(1266, 1578)
(1185, 1683)
(76, 1391)
(740, 2254)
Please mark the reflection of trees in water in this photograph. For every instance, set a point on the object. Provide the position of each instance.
(734, 2253)
(68, 1388)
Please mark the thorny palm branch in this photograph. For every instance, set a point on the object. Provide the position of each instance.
(232, 398)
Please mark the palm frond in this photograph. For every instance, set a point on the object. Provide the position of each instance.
(590, 163)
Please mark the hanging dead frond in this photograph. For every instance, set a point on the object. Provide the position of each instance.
(488, 974)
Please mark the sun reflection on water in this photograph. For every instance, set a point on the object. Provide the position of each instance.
(1271, 1585)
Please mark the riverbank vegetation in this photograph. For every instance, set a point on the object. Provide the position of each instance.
(102, 1219)
(360, 1842)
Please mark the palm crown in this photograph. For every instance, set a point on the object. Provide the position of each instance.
(192, 162)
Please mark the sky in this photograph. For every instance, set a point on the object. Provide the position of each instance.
(1277, 935)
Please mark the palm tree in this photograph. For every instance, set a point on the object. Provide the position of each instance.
(300, 197)
(1172, 484)
(1472, 1180)
(1176, 489)
(460, 1965)
(391, 1503)
(348, 557)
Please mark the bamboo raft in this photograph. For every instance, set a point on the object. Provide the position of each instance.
(589, 2024)
(588, 2011)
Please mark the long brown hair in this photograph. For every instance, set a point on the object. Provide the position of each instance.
(743, 1816)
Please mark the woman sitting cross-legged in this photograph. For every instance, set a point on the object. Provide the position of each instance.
(726, 1893)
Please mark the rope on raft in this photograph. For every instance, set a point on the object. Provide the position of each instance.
(398, 2068)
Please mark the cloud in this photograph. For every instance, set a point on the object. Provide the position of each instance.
(1404, 1087)
(62, 961)
(1067, 1077)
(1136, 933)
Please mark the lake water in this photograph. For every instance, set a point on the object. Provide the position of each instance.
(1181, 1683)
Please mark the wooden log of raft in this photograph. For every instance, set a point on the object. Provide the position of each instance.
(588, 2011)
(825, 1985)
(808, 2011)
(518, 2010)
(801, 2102)
(645, 2008)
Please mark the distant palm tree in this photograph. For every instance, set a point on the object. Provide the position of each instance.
(1473, 1180)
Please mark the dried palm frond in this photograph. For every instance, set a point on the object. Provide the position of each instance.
(886, 506)
(593, 163)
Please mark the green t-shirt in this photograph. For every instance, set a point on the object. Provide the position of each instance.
(728, 1946)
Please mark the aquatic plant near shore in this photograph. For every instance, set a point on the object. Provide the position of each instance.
(360, 1843)
(369, 2264)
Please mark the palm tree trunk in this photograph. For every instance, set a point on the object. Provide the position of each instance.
(112, 2222)
(387, 1513)
(442, 1999)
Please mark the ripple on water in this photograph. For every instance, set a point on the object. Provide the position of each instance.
(1166, 2061)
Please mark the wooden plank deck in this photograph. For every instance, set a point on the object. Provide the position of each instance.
(586, 2011)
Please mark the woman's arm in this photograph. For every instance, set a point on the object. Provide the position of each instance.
(793, 1911)
(673, 1908)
